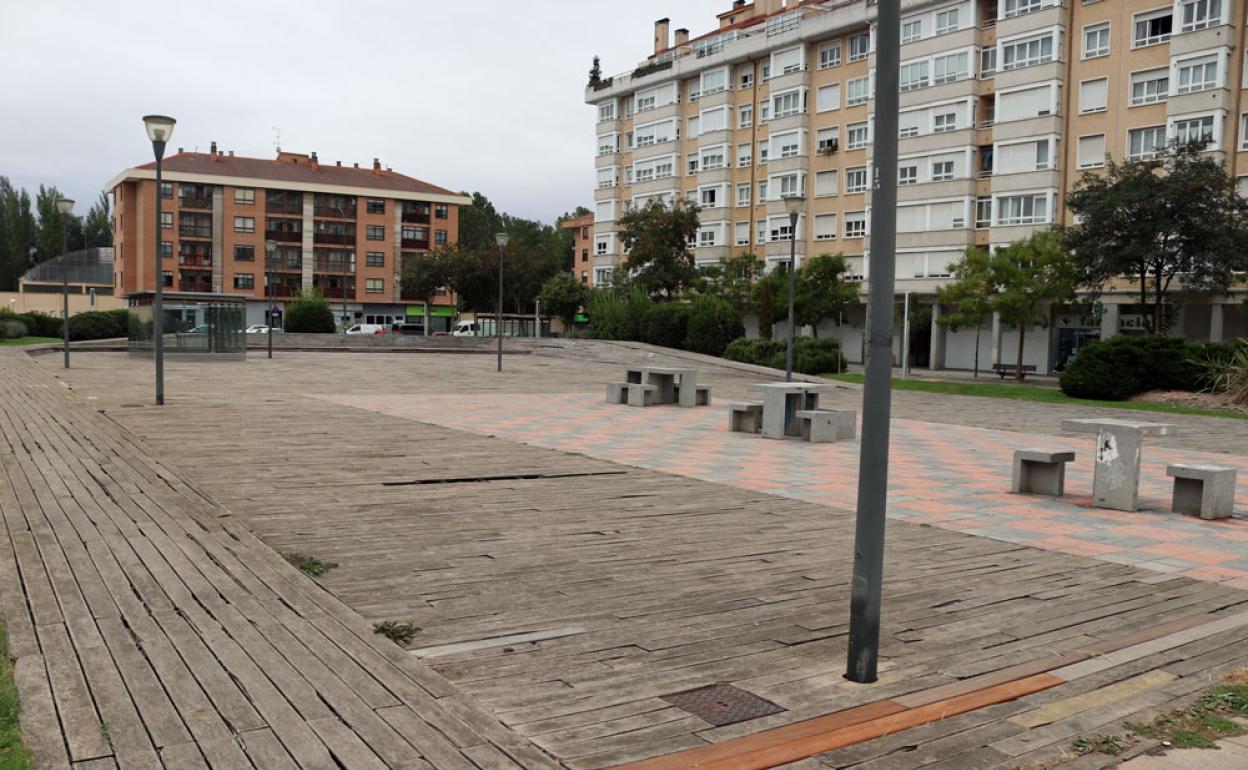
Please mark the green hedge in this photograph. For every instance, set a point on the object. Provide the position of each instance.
(667, 324)
(99, 325)
(713, 323)
(1120, 367)
(309, 313)
(810, 355)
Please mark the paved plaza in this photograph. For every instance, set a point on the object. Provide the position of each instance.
(570, 563)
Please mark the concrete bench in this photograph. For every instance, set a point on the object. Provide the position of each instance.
(1039, 472)
(702, 395)
(1207, 491)
(640, 394)
(616, 393)
(746, 418)
(819, 426)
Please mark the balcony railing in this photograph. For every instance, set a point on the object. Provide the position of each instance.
(283, 236)
(195, 231)
(195, 202)
(279, 265)
(283, 207)
(329, 293)
(412, 243)
(281, 291)
(334, 238)
(334, 265)
(416, 217)
(194, 261)
(339, 212)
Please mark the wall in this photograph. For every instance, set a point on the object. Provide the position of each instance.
(51, 303)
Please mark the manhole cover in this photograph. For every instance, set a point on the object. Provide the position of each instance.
(722, 704)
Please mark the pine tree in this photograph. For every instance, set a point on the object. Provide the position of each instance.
(50, 237)
(97, 229)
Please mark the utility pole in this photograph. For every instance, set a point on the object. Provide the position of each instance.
(864, 605)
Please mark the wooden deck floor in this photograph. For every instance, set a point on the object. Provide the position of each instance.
(567, 603)
(151, 629)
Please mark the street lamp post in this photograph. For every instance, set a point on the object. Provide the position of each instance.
(794, 204)
(501, 239)
(270, 248)
(66, 207)
(159, 129)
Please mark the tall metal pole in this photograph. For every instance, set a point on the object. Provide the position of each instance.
(498, 319)
(158, 300)
(65, 284)
(905, 338)
(864, 605)
(788, 349)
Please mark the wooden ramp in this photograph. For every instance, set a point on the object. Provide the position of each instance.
(151, 630)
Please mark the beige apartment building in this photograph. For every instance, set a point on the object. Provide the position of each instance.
(1003, 106)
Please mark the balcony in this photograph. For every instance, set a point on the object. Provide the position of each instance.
(337, 266)
(415, 243)
(195, 281)
(284, 207)
(194, 202)
(283, 236)
(190, 260)
(331, 293)
(279, 265)
(281, 292)
(194, 231)
(418, 216)
(337, 239)
(335, 212)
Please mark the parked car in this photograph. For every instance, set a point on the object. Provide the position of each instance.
(366, 329)
(258, 329)
(201, 329)
(399, 327)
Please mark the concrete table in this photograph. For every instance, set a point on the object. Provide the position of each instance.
(1116, 474)
(781, 403)
(665, 379)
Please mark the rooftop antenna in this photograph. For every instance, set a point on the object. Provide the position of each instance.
(277, 138)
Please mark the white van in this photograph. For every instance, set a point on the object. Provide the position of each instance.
(466, 329)
(366, 329)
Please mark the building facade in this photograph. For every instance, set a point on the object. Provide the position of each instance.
(1004, 105)
(343, 230)
(582, 229)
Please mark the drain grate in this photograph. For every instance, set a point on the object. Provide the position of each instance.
(723, 704)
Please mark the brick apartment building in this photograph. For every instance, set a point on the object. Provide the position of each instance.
(582, 243)
(1004, 104)
(341, 229)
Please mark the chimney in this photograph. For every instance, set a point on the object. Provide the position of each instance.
(661, 35)
(338, 163)
(355, 165)
(212, 150)
(231, 153)
(180, 150)
(315, 163)
(682, 37)
(376, 164)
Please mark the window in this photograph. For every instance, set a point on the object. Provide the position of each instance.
(745, 116)
(764, 147)
(441, 211)
(947, 69)
(790, 185)
(374, 285)
(914, 75)
(166, 189)
(856, 136)
(1093, 95)
(1145, 143)
(1023, 209)
(1243, 131)
(743, 194)
(600, 246)
(707, 237)
(825, 227)
(376, 233)
(166, 220)
(987, 62)
(244, 224)
(1150, 86)
(908, 174)
(1091, 152)
(944, 121)
(1198, 14)
(947, 21)
(1025, 53)
(911, 30)
(761, 229)
(714, 81)
(764, 112)
(606, 111)
(786, 104)
(855, 224)
(244, 196)
(779, 230)
(788, 61)
(1096, 41)
(714, 157)
(375, 259)
(606, 177)
(1197, 75)
(787, 145)
(745, 155)
(1023, 103)
(743, 233)
(708, 197)
(166, 249)
(857, 91)
(856, 179)
(244, 253)
(942, 171)
(859, 47)
(766, 71)
(747, 77)
(762, 192)
(827, 140)
(375, 206)
(829, 55)
(983, 213)
(825, 184)
(1153, 27)
(828, 98)
(1194, 130)
(1019, 7)
(244, 280)
(715, 119)
(695, 127)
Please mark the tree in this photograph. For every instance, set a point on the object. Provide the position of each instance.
(595, 72)
(968, 298)
(50, 239)
(309, 312)
(733, 281)
(97, 228)
(534, 253)
(563, 296)
(822, 291)
(657, 240)
(424, 273)
(20, 230)
(1186, 220)
(478, 224)
(1018, 281)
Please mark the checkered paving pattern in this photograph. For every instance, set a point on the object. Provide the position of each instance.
(947, 476)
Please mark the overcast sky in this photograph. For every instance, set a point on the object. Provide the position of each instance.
(467, 94)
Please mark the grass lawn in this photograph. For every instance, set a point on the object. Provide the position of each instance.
(31, 340)
(1032, 393)
(13, 753)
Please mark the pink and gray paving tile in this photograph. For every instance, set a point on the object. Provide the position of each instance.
(948, 476)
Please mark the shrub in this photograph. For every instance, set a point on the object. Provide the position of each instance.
(310, 313)
(1120, 367)
(810, 355)
(666, 324)
(713, 323)
(99, 325)
(1229, 374)
(11, 329)
(613, 316)
(399, 633)
(764, 352)
(41, 324)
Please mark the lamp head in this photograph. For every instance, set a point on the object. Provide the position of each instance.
(501, 239)
(65, 206)
(794, 204)
(159, 127)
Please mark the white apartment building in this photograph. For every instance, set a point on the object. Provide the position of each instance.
(1003, 106)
